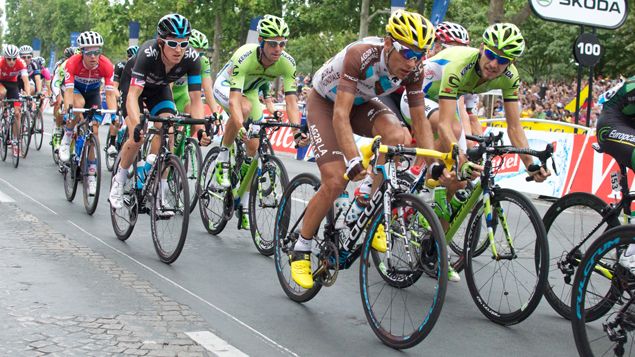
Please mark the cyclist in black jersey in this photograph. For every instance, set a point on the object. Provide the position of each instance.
(145, 81)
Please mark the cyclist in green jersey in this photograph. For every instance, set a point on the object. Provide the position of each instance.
(237, 86)
(469, 70)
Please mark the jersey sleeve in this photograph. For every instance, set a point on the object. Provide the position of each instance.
(414, 88)
(69, 73)
(351, 71)
(107, 72)
(206, 69)
(510, 85)
(194, 79)
(241, 63)
(141, 65)
(288, 75)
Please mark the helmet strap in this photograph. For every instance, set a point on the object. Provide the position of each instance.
(387, 57)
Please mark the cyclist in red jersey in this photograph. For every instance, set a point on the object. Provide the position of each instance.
(12, 67)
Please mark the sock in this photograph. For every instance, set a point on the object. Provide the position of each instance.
(244, 200)
(122, 175)
(302, 245)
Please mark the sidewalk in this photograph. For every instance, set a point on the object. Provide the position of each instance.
(60, 298)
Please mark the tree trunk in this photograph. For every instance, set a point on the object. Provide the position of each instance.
(496, 12)
(218, 28)
(363, 19)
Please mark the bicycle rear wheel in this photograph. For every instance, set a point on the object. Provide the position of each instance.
(601, 270)
(216, 204)
(124, 219)
(110, 159)
(267, 188)
(507, 290)
(568, 221)
(289, 220)
(90, 201)
(170, 211)
(15, 159)
(70, 173)
(38, 131)
(192, 161)
(4, 139)
(25, 132)
(403, 314)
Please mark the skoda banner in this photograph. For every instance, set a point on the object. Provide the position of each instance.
(609, 14)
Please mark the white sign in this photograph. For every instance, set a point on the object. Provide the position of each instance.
(609, 14)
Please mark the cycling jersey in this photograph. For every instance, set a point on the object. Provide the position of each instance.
(118, 71)
(360, 68)
(57, 83)
(46, 74)
(615, 127)
(33, 70)
(622, 98)
(84, 80)
(11, 74)
(454, 72)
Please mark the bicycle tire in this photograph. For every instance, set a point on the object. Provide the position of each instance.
(284, 240)
(263, 201)
(25, 133)
(177, 182)
(90, 205)
(573, 204)
(38, 131)
(216, 222)
(193, 177)
(539, 260)
(433, 238)
(15, 159)
(130, 212)
(584, 330)
(4, 139)
(110, 160)
(70, 179)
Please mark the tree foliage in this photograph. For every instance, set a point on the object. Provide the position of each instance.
(319, 28)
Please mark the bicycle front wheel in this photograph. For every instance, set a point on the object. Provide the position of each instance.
(289, 218)
(170, 209)
(38, 131)
(124, 219)
(267, 187)
(568, 221)
(605, 269)
(400, 304)
(216, 203)
(25, 132)
(192, 160)
(4, 139)
(70, 173)
(91, 174)
(508, 282)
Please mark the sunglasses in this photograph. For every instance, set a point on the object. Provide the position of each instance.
(26, 57)
(408, 53)
(10, 59)
(491, 55)
(175, 44)
(274, 43)
(92, 53)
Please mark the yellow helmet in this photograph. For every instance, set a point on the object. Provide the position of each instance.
(411, 29)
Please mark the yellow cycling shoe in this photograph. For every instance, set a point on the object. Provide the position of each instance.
(301, 269)
(379, 240)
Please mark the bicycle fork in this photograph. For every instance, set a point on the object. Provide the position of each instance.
(489, 219)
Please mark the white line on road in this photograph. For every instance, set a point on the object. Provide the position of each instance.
(4, 198)
(27, 196)
(215, 344)
(232, 317)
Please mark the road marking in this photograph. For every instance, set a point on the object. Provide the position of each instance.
(4, 198)
(191, 293)
(215, 344)
(27, 196)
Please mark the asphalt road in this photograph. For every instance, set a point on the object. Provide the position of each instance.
(235, 289)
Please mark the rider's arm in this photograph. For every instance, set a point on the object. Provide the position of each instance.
(208, 84)
(447, 108)
(465, 117)
(27, 85)
(132, 102)
(422, 129)
(293, 112)
(38, 83)
(269, 104)
(515, 129)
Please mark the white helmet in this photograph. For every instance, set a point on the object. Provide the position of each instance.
(90, 39)
(451, 32)
(11, 51)
(26, 50)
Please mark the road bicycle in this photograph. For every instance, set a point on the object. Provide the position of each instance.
(6, 131)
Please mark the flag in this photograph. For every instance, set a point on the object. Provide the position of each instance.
(584, 94)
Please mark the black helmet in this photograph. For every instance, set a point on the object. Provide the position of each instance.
(132, 50)
(69, 51)
(174, 25)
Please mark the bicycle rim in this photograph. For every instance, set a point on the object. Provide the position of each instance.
(25, 136)
(215, 204)
(192, 164)
(4, 140)
(124, 219)
(90, 202)
(38, 132)
(70, 179)
(170, 209)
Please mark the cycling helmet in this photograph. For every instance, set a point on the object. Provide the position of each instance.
(450, 32)
(411, 29)
(174, 25)
(26, 50)
(40, 61)
(198, 39)
(90, 39)
(11, 51)
(132, 50)
(69, 51)
(272, 26)
(505, 37)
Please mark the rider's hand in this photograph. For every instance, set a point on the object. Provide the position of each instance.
(301, 139)
(242, 133)
(355, 171)
(539, 175)
(468, 169)
(205, 140)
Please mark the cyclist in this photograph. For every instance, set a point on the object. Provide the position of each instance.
(616, 137)
(45, 73)
(236, 90)
(82, 83)
(119, 67)
(340, 104)
(199, 42)
(146, 81)
(57, 87)
(12, 67)
(35, 78)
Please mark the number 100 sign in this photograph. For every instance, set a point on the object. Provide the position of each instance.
(587, 50)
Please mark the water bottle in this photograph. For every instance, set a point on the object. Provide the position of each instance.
(458, 200)
(427, 193)
(179, 136)
(149, 162)
(441, 206)
(79, 143)
(141, 173)
(341, 208)
(357, 207)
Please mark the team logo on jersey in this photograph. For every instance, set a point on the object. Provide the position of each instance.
(191, 53)
(447, 90)
(453, 81)
(288, 57)
(151, 52)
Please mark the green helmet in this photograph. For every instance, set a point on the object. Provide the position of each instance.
(198, 39)
(505, 37)
(272, 26)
